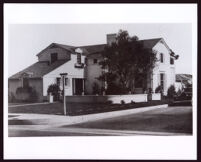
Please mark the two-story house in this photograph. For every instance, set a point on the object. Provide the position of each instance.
(82, 65)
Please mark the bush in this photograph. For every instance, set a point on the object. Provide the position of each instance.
(158, 89)
(11, 97)
(54, 89)
(26, 94)
(171, 92)
(96, 89)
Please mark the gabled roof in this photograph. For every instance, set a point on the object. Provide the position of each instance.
(39, 69)
(94, 48)
(150, 43)
(66, 47)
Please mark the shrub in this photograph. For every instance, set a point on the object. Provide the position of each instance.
(54, 89)
(171, 92)
(26, 94)
(11, 97)
(96, 89)
(158, 89)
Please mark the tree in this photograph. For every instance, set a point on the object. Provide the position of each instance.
(126, 60)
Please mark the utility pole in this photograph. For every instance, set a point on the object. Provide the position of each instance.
(63, 76)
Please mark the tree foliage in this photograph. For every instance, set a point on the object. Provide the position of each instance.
(126, 60)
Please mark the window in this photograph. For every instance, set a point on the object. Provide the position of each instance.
(79, 58)
(58, 81)
(171, 61)
(25, 82)
(54, 57)
(95, 61)
(162, 81)
(66, 81)
(161, 58)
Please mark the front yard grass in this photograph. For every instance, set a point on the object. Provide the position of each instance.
(79, 108)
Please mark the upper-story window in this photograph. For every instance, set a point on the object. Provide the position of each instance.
(79, 58)
(171, 61)
(161, 57)
(58, 81)
(95, 61)
(54, 57)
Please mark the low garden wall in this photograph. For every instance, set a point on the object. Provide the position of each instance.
(115, 99)
(156, 96)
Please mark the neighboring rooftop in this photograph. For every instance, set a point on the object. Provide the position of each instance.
(183, 77)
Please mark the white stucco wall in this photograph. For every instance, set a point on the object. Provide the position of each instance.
(69, 68)
(93, 71)
(165, 67)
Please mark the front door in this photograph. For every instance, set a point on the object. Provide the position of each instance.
(78, 86)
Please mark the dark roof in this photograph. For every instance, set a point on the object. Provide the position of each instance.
(67, 47)
(150, 43)
(183, 77)
(39, 69)
(94, 48)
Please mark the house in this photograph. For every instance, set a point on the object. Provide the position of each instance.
(182, 80)
(82, 66)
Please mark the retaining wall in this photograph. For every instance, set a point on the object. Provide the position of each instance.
(112, 98)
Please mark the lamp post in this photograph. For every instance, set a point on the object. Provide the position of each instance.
(63, 76)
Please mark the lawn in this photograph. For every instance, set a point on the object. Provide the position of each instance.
(79, 108)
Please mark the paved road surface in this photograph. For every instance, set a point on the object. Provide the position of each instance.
(168, 121)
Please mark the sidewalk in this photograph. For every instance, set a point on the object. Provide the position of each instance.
(58, 120)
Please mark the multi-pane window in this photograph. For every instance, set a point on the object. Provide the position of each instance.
(79, 58)
(162, 81)
(171, 61)
(54, 57)
(58, 81)
(161, 57)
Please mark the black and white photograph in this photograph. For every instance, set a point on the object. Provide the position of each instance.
(105, 80)
(120, 85)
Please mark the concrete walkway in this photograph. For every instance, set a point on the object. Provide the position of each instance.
(58, 120)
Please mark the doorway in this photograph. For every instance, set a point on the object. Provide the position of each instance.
(78, 86)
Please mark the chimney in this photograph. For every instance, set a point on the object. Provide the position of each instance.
(111, 38)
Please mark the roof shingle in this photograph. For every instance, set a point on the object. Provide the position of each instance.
(39, 69)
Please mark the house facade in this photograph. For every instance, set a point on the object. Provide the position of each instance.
(82, 66)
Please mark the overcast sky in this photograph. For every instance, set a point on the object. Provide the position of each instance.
(25, 41)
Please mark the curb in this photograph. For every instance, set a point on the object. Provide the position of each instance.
(55, 120)
(70, 120)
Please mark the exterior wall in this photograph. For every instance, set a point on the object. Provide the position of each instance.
(13, 84)
(115, 99)
(156, 96)
(93, 71)
(62, 54)
(69, 68)
(35, 83)
(165, 67)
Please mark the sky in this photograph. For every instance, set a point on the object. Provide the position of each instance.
(25, 41)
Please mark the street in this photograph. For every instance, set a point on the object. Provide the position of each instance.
(168, 121)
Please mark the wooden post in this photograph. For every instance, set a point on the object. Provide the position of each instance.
(63, 76)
